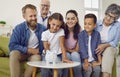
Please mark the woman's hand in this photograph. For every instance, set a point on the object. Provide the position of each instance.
(85, 66)
(66, 60)
(101, 48)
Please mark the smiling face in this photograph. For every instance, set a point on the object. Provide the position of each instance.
(44, 7)
(89, 25)
(54, 25)
(109, 19)
(71, 20)
(30, 16)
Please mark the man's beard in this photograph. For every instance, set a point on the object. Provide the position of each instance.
(32, 23)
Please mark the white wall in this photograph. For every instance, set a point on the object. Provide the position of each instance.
(64, 5)
(11, 9)
(106, 3)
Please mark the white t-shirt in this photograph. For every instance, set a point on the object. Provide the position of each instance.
(43, 21)
(104, 33)
(89, 50)
(33, 40)
(53, 39)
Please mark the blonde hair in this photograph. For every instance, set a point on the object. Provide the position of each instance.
(30, 6)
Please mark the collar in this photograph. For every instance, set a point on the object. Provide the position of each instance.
(101, 23)
(27, 28)
(86, 34)
(49, 13)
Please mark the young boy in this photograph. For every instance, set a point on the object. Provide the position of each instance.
(88, 40)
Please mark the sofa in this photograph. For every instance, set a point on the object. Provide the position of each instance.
(4, 59)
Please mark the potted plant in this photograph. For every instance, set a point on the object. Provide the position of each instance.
(2, 23)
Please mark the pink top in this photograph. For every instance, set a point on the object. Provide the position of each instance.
(70, 42)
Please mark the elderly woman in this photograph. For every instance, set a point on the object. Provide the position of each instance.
(109, 30)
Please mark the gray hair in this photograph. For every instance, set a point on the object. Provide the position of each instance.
(114, 9)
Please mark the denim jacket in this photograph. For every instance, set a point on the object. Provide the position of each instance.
(20, 37)
(83, 44)
(113, 34)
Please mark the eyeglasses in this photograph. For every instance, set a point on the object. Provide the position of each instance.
(44, 5)
(112, 17)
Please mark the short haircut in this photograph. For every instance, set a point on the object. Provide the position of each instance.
(90, 15)
(114, 9)
(30, 6)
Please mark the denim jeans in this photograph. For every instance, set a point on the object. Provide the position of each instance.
(94, 71)
(74, 56)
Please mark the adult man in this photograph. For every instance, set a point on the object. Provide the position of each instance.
(109, 30)
(44, 12)
(25, 43)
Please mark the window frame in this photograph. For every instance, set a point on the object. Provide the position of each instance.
(94, 9)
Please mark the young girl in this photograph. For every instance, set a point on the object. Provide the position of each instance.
(53, 40)
(71, 40)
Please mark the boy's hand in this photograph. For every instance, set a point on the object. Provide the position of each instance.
(85, 66)
(95, 63)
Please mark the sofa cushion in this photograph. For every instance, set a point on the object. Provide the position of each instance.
(4, 67)
(2, 54)
(4, 46)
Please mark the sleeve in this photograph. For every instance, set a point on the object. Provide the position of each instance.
(116, 39)
(61, 32)
(44, 36)
(99, 39)
(83, 49)
(15, 41)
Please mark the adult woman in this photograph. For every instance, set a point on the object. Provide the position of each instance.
(109, 30)
(72, 29)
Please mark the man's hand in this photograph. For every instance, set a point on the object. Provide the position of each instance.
(33, 51)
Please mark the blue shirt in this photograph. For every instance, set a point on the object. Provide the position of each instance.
(113, 33)
(83, 44)
(20, 37)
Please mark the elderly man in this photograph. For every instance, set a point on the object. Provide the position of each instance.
(25, 42)
(44, 12)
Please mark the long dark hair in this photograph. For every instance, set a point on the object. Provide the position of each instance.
(56, 16)
(76, 29)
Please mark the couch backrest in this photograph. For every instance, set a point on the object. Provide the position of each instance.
(4, 41)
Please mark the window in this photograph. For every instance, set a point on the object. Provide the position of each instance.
(119, 19)
(92, 6)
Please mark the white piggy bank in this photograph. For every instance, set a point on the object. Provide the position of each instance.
(50, 57)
